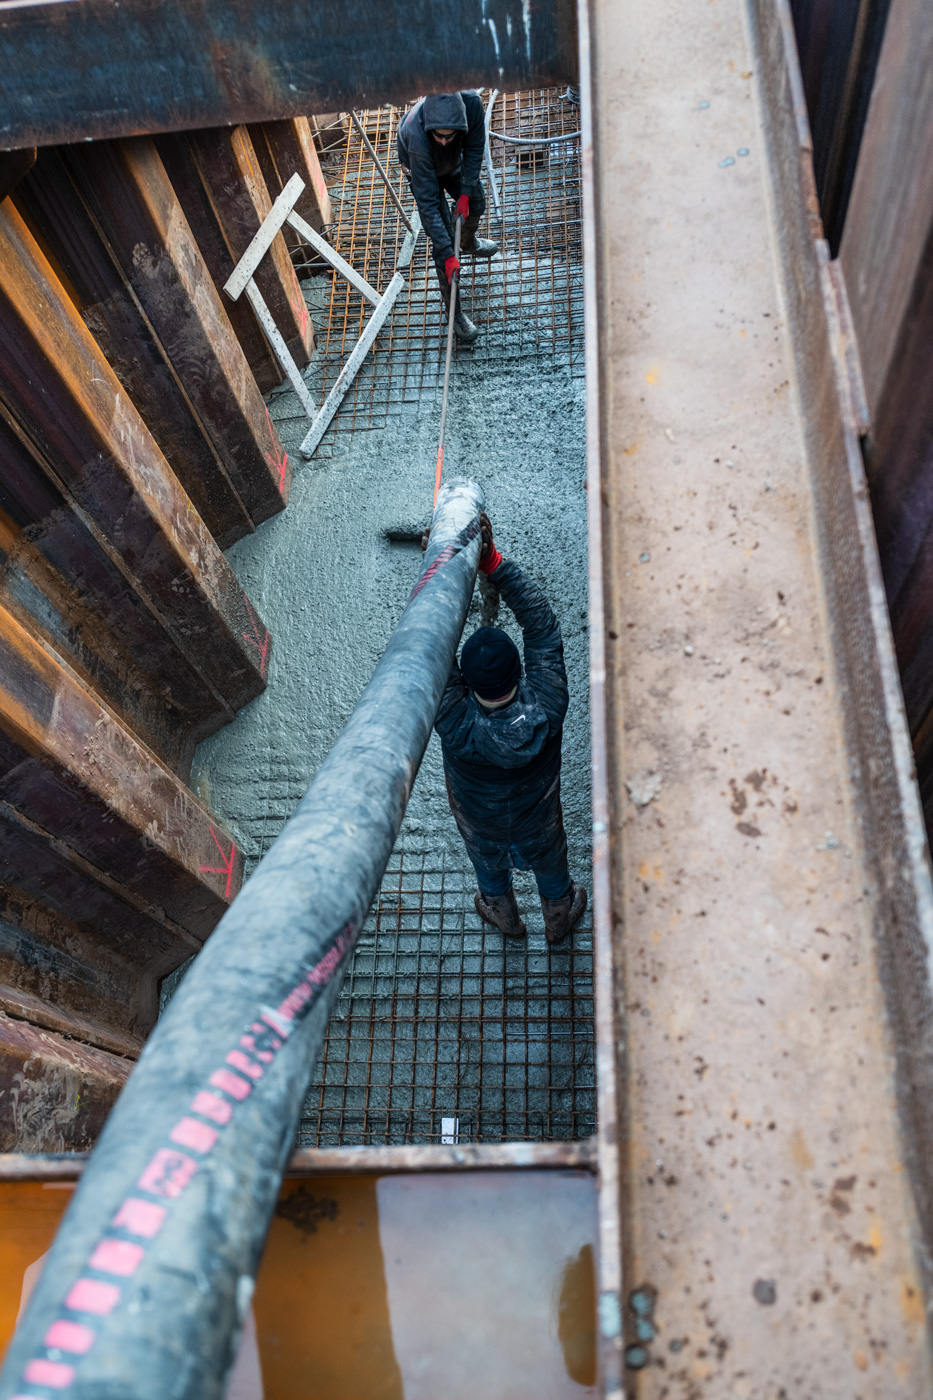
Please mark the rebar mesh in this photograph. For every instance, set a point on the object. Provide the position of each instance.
(446, 1031)
(528, 300)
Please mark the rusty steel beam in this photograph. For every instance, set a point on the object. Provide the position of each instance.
(54, 1095)
(179, 164)
(231, 175)
(71, 771)
(131, 196)
(59, 578)
(356, 1161)
(124, 67)
(77, 246)
(285, 149)
(59, 388)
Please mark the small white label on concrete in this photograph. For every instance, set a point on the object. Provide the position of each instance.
(450, 1130)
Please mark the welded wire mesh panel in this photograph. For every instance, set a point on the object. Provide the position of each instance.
(445, 1031)
(528, 300)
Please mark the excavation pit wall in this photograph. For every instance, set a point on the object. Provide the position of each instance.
(442, 1031)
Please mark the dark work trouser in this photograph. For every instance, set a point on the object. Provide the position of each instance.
(495, 854)
(451, 184)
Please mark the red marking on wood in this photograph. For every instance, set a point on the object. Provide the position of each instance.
(262, 647)
(277, 458)
(227, 867)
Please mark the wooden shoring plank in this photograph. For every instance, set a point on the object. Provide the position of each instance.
(330, 255)
(66, 229)
(59, 578)
(60, 388)
(178, 160)
(890, 211)
(285, 149)
(261, 241)
(54, 1094)
(98, 69)
(126, 186)
(240, 200)
(75, 774)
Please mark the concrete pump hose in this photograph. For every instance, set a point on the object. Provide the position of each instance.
(149, 1280)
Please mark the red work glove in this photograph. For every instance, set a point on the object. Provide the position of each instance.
(463, 206)
(451, 266)
(490, 558)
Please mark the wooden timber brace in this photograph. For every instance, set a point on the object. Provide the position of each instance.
(242, 279)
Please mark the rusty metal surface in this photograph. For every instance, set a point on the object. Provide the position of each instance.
(57, 1094)
(175, 153)
(232, 178)
(77, 246)
(59, 388)
(285, 149)
(890, 212)
(506, 1156)
(70, 768)
(763, 820)
(104, 68)
(126, 185)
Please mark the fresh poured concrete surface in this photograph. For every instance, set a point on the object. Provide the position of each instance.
(766, 1199)
(331, 587)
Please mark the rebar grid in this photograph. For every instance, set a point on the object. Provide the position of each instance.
(446, 1031)
(528, 300)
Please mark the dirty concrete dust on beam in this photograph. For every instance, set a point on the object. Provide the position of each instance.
(102, 68)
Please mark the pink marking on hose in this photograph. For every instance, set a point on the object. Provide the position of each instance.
(244, 1065)
(168, 1173)
(70, 1336)
(118, 1257)
(249, 1043)
(143, 1218)
(188, 1132)
(263, 1030)
(91, 1296)
(253, 641)
(228, 863)
(55, 1374)
(231, 1084)
(211, 1106)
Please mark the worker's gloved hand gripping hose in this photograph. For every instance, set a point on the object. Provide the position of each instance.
(150, 1278)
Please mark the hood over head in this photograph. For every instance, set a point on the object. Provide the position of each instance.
(445, 111)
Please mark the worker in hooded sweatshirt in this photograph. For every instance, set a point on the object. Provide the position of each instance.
(500, 728)
(441, 143)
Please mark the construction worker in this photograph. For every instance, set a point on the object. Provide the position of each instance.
(500, 730)
(441, 143)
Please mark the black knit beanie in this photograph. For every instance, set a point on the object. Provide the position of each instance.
(490, 663)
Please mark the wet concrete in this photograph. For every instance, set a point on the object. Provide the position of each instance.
(331, 587)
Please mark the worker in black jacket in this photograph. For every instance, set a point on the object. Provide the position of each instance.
(500, 730)
(441, 143)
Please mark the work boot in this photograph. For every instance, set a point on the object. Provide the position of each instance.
(501, 911)
(480, 247)
(560, 915)
(464, 329)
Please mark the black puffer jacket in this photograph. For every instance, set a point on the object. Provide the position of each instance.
(427, 162)
(499, 763)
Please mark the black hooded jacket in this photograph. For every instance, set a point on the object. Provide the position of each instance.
(427, 162)
(499, 764)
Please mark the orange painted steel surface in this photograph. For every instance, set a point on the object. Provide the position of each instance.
(473, 1284)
